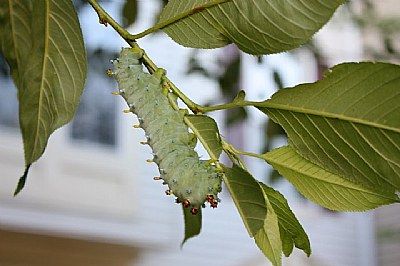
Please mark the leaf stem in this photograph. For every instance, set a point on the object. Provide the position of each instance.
(206, 109)
(233, 154)
(229, 149)
(105, 18)
(180, 16)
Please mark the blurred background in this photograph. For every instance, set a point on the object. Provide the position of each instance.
(91, 199)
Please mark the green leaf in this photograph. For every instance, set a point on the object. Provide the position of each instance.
(257, 213)
(129, 12)
(240, 96)
(291, 231)
(15, 27)
(22, 180)
(255, 26)
(207, 131)
(192, 224)
(50, 79)
(329, 190)
(268, 239)
(348, 123)
(248, 197)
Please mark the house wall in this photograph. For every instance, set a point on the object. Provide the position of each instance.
(18, 248)
(388, 235)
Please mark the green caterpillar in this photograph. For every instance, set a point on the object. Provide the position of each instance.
(191, 180)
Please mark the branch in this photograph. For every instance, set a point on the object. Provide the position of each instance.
(105, 19)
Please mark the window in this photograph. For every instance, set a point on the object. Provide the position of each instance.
(95, 120)
(8, 97)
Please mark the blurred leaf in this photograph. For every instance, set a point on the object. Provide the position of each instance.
(129, 12)
(196, 67)
(272, 130)
(207, 131)
(236, 115)
(277, 79)
(348, 123)
(255, 26)
(43, 44)
(229, 83)
(229, 80)
(327, 189)
(192, 224)
(389, 46)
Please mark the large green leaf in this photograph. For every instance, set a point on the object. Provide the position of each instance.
(347, 123)
(255, 26)
(192, 224)
(329, 190)
(257, 213)
(49, 71)
(291, 231)
(207, 131)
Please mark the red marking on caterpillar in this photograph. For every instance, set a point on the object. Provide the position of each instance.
(214, 204)
(186, 203)
(194, 211)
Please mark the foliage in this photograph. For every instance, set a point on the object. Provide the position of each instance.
(48, 66)
(344, 130)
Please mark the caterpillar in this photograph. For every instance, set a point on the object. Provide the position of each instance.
(191, 180)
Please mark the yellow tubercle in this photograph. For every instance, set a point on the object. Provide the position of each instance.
(149, 161)
(136, 126)
(110, 72)
(127, 111)
(115, 92)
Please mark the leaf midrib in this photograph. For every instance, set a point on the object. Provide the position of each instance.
(190, 13)
(269, 105)
(355, 186)
(44, 70)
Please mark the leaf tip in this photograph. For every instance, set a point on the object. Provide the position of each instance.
(192, 224)
(22, 181)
